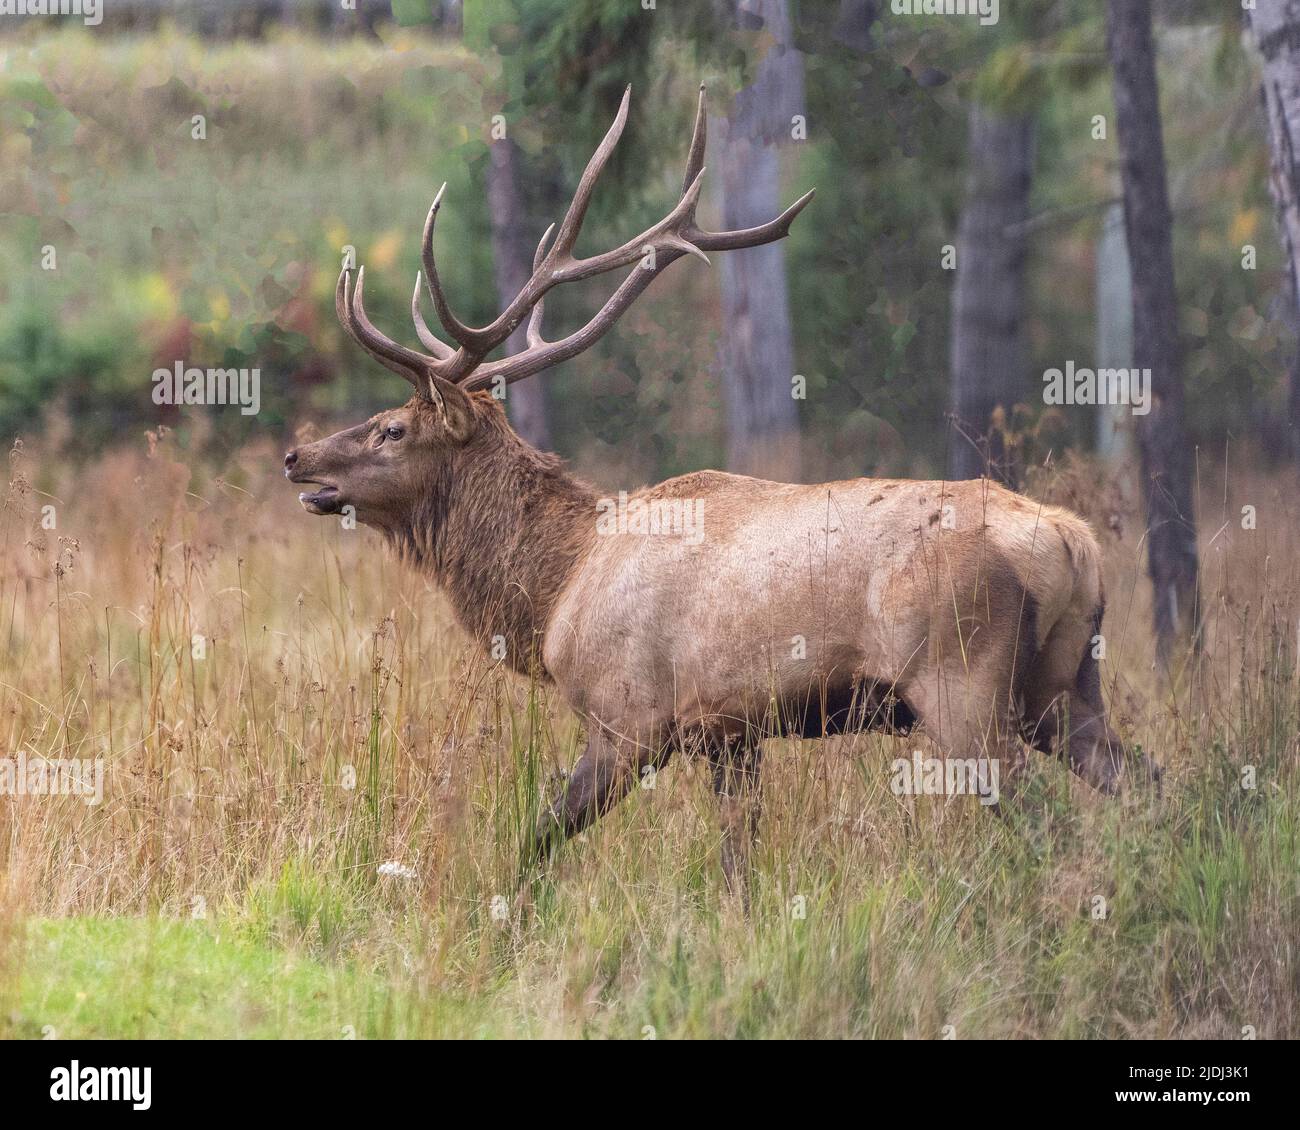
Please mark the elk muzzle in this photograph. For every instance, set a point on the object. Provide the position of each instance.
(326, 499)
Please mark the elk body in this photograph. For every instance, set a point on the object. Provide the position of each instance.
(762, 608)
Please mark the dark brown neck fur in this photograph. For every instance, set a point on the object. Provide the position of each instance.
(502, 528)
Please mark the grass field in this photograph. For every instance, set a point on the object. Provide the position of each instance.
(281, 709)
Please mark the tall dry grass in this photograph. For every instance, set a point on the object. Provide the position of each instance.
(281, 708)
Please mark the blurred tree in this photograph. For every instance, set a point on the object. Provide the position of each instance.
(1277, 34)
(512, 259)
(757, 347)
(565, 65)
(512, 252)
(1036, 50)
(853, 23)
(1114, 298)
(989, 357)
(1162, 437)
(561, 75)
(870, 300)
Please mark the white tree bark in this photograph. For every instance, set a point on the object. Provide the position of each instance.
(1115, 441)
(1276, 26)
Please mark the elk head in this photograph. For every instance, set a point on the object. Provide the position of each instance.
(388, 465)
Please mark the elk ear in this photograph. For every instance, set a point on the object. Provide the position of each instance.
(452, 405)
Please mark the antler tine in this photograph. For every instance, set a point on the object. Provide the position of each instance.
(540, 253)
(672, 231)
(341, 301)
(695, 156)
(428, 339)
(571, 225)
(343, 308)
(752, 237)
(470, 339)
(675, 230)
(542, 355)
(534, 332)
(351, 312)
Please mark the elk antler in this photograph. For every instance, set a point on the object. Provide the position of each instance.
(677, 234)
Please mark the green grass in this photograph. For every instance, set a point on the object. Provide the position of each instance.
(90, 978)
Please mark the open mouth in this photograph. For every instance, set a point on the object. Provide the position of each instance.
(324, 500)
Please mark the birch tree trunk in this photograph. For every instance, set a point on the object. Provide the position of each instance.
(1276, 25)
(1114, 335)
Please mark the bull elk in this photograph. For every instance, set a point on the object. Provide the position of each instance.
(811, 610)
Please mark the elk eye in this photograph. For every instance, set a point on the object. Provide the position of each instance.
(394, 431)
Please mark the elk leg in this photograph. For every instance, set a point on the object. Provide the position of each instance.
(968, 714)
(602, 777)
(735, 764)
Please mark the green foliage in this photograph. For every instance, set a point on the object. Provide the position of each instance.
(224, 251)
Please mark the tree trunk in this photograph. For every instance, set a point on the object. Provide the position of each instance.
(1114, 336)
(989, 355)
(1162, 438)
(450, 15)
(854, 23)
(512, 260)
(1276, 26)
(757, 348)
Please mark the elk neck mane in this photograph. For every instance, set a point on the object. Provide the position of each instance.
(501, 527)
